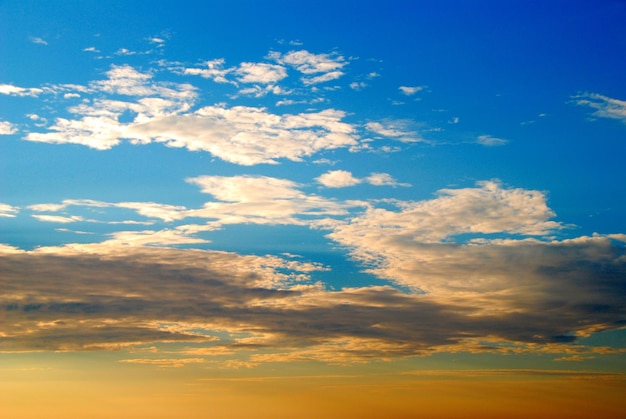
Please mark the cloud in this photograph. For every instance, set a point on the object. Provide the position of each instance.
(165, 363)
(37, 40)
(383, 179)
(338, 179)
(395, 129)
(311, 65)
(161, 113)
(249, 136)
(8, 211)
(57, 218)
(109, 296)
(333, 75)
(214, 71)
(260, 73)
(308, 63)
(261, 200)
(343, 178)
(410, 90)
(490, 141)
(156, 40)
(605, 107)
(7, 128)
(11, 90)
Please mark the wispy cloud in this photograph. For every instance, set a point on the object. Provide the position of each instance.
(605, 107)
(38, 40)
(395, 129)
(489, 141)
(7, 210)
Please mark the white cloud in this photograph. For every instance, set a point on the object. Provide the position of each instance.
(383, 179)
(605, 106)
(8, 211)
(7, 128)
(343, 178)
(260, 73)
(164, 212)
(165, 237)
(410, 90)
(333, 75)
(11, 90)
(124, 51)
(58, 218)
(338, 179)
(248, 136)
(260, 200)
(214, 71)
(38, 40)
(396, 129)
(308, 63)
(489, 141)
(156, 40)
(91, 49)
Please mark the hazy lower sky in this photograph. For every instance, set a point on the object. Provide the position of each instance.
(312, 209)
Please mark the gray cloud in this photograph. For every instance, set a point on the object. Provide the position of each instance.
(107, 296)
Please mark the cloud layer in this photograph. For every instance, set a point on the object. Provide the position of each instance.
(471, 289)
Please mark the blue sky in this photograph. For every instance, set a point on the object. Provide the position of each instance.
(372, 180)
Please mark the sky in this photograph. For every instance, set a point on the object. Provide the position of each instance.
(355, 209)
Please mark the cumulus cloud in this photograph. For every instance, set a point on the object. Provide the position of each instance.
(261, 200)
(311, 65)
(605, 107)
(338, 179)
(7, 128)
(161, 113)
(260, 73)
(249, 136)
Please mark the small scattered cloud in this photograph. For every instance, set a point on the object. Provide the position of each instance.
(11, 90)
(395, 129)
(37, 40)
(156, 40)
(260, 73)
(125, 51)
(384, 179)
(214, 70)
(57, 218)
(91, 49)
(410, 90)
(489, 141)
(7, 128)
(338, 179)
(8, 211)
(343, 178)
